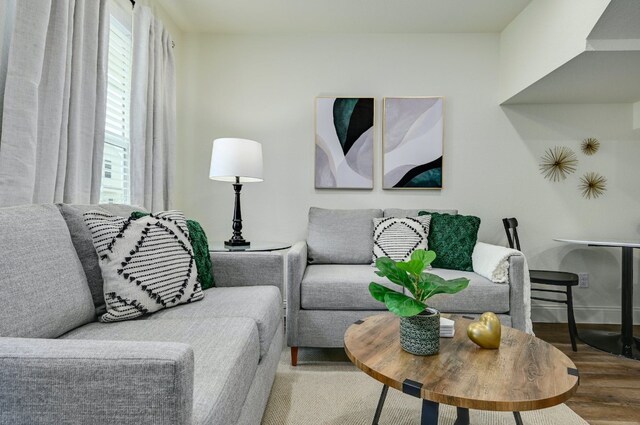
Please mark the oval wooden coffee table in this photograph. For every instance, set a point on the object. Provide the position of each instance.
(525, 373)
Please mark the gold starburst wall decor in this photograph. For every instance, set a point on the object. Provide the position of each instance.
(558, 162)
(590, 146)
(592, 185)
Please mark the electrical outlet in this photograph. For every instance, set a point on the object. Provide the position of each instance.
(583, 280)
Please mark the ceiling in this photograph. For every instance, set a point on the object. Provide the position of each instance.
(342, 16)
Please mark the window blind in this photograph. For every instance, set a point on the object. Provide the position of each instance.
(115, 168)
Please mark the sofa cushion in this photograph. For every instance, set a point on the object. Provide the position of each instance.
(226, 353)
(397, 238)
(403, 212)
(81, 238)
(262, 304)
(44, 291)
(147, 264)
(341, 236)
(453, 238)
(480, 296)
(200, 245)
(346, 287)
(340, 287)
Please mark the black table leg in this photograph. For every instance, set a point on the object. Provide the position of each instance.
(627, 302)
(518, 418)
(620, 343)
(463, 416)
(383, 397)
(429, 413)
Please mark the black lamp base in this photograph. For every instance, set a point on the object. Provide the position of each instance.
(236, 242)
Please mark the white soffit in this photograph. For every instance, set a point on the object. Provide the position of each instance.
(591, 77)
(342, 16)
(607, 71)
(621, 20)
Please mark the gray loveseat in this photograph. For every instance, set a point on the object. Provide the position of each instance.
(209, 362)
(330, 272)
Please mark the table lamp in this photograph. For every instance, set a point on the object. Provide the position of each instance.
(237, 161)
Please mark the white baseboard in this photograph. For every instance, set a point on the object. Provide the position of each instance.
(551, 313)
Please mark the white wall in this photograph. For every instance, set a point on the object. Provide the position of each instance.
(263, 87)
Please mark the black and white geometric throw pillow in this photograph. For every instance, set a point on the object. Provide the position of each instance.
(397, 238)
(147, 264)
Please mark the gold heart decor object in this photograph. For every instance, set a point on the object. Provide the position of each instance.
(486, 331)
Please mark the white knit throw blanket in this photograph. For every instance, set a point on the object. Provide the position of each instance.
(492, 262)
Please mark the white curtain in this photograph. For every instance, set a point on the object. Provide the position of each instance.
(153, 113)
(54, 103)
(7, 18)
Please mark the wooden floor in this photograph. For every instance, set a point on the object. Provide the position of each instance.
(609, 391)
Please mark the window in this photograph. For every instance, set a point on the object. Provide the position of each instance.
(115, 182)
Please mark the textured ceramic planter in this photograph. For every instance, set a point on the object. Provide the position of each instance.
(420, 334)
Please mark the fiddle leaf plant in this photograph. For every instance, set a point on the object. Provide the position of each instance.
(411, 275)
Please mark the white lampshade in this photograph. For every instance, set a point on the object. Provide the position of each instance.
(231, 158)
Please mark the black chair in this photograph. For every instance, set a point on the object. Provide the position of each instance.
(548, 277)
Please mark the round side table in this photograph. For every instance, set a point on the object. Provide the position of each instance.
(219, 246)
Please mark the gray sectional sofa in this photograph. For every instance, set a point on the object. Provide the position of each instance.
(330, 272)
(209, 362)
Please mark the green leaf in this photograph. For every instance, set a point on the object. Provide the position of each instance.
(420, 259)
(403, 305)
(389, 269)
(378, 291)
(431, 285)
(426, 257)
(413, 267)
(429, 279)
(456, 285)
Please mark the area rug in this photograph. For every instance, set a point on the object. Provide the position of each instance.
(325, 389)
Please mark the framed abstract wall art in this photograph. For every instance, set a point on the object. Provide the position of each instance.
(412, 142)
(344, 143)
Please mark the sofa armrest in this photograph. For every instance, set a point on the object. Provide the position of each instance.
(44, 381)
(506, 265)
(517, 309)
(248, 268)
(492, 261)
(296, 265)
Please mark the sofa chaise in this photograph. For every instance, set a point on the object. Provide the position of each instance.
(330, 272)
(209, 362)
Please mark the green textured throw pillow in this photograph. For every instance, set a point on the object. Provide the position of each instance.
(453, 238)
(200, 246)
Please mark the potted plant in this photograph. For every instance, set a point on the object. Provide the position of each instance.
(419, 324)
